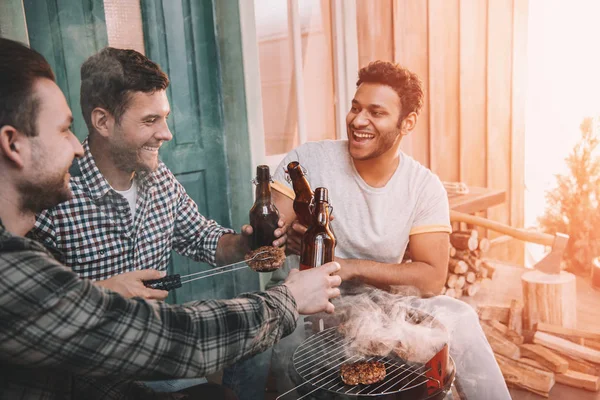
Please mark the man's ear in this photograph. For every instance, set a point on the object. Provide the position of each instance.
(102, 121)
(408, 123)
(12, 144)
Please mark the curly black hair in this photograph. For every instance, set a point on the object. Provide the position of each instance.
(407, 84)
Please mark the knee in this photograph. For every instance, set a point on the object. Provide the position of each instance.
(457, 311)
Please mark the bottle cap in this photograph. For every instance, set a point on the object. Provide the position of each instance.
(263, 173)
(321, 194)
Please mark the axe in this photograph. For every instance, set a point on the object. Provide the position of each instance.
(550, 264)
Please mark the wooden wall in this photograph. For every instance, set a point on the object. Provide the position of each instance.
(471, 56)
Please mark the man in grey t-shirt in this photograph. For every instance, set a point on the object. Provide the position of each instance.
(382, 198)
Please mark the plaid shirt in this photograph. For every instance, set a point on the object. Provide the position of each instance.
(100, 238)
(54, 325)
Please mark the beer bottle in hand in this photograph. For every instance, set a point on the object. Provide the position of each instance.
(264, 216)
(318, 242)
(304, 194)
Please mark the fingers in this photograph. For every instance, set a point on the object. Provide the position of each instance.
(281, 221)
(298, 228)
(155, 294)
(331, 267)
(247, 230)
(280, 241)
(333, 293)
(147, 274)
(335, 280)
(329, 308)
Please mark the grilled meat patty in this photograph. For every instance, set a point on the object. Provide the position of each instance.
(270, 259)
(362, 372)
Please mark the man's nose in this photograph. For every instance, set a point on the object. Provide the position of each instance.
(359, 121)
(164, 134)
(77, 147)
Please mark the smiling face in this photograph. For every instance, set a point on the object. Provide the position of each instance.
(46, 180)
(142, 129)
(372, 122)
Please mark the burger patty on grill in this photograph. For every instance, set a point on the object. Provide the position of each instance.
(362, 372)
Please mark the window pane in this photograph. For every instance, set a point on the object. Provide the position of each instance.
(277, 74)
(317, 55)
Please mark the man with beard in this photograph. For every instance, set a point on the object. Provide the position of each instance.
(128, 211)
(64, 337)
(383, 198)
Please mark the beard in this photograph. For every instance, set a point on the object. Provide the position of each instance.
(49, 192)
(128, 160)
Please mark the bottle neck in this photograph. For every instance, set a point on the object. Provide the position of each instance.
(263, 192)
(321, 215)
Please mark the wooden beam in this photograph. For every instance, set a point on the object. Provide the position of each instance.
(545, 357)
(579, 380)
(559, 330)
(566, 347)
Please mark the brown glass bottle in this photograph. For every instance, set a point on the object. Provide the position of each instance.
(304, 194)
(264, 216)
(318, 242)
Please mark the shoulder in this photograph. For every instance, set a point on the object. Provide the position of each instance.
(422, 176)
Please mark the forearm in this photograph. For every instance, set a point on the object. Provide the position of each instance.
(231, 248)
(425, 277)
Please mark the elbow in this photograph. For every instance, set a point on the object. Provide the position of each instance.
(435, 285)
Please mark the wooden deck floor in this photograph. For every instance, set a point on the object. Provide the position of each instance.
(507, 286)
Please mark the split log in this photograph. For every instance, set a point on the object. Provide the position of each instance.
(490, 270)
(499, 326)
(592, 344)
(457, 266)
(525, 376)
(472, 289)
(533, 363)
(564, 346)
(443, 290)
(567, 332)
(549, 298)
(463, 241)
(451, 292)
(503, 329)
(471, 277)
(515, 317)
(460, 282)
(452, 278)
(579, 380)
(546, 357)
(484, 245)
(500, 344)
(499, 313)
(451, 251)
(579, 365)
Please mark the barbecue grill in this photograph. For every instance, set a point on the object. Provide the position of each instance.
(318, 359)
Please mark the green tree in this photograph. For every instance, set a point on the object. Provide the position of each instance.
(572, 207)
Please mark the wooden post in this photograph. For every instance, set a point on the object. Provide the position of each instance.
(549, 298)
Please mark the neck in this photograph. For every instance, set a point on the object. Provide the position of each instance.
(15, 220)
(377, 172)
(116, 177)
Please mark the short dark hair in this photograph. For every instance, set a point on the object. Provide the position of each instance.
(20, 67)
(109, 77)
(406, 84)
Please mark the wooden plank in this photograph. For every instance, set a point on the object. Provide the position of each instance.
(519, 97)
(411, 50)
(473, 72)
(579, 365)
(564, 346)
(371, 47)
(571, 333)
(546, 357)
(525, 376)
(579, 380)
(444, 88)
(533, 363)
(499, 313)
(478, 199)
(500, 344)
(499, 62)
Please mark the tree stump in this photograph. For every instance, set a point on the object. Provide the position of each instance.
(549, 298)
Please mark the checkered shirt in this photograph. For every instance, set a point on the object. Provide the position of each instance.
(54, 325)
(98, 238)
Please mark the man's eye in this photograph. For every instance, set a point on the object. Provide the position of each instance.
(151, 120)
(354, 109)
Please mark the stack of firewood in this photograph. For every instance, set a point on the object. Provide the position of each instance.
(467, 271)
(535, 360)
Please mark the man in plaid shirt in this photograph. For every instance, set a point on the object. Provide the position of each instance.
(128, 211)
(64, 337)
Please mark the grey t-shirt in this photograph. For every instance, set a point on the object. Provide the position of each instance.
(372, 223)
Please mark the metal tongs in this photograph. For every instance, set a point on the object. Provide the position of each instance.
(172, 282)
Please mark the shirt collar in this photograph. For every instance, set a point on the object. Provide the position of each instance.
(97, 184)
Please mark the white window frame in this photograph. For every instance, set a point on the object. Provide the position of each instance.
(345, 60)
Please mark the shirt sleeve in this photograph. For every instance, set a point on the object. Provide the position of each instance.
(433, 213)
(194, 235)
(52, 319)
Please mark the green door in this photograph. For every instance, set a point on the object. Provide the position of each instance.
(180, 36)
